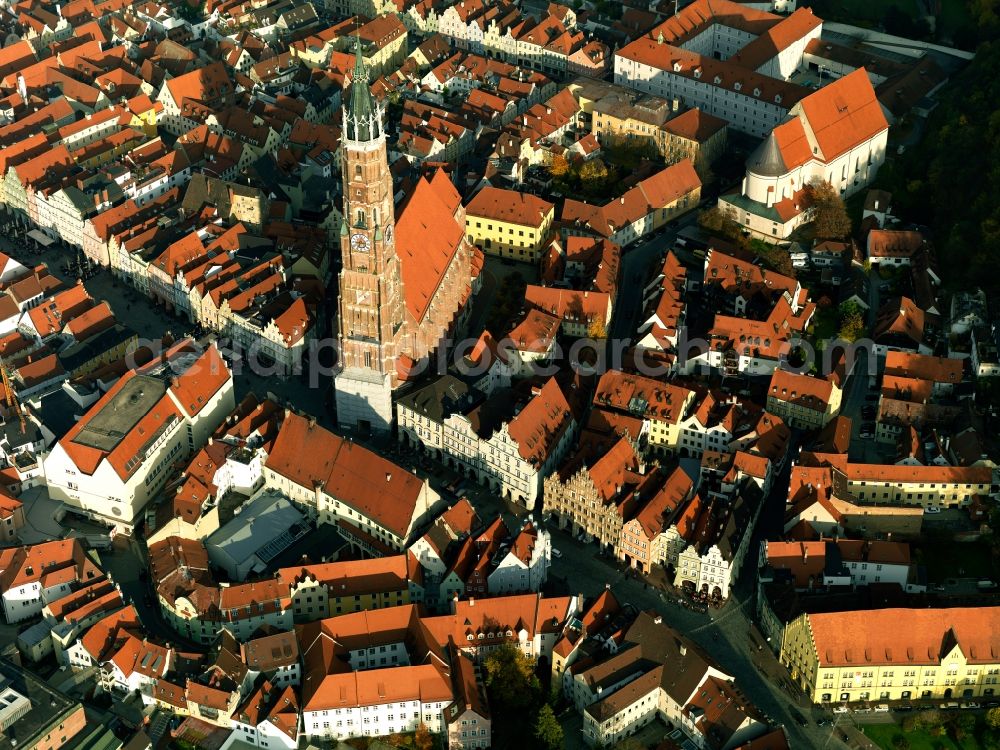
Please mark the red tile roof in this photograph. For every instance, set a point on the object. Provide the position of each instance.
(374, 486)
(540, 425)
(427, 239)
(844, 114)
(509, 206)
(872, 637)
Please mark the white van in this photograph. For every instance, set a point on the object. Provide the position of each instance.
(882, 708)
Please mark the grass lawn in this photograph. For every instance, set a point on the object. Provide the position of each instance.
(948, 560)
(883, 735)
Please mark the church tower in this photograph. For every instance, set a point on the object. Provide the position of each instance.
(371, 318)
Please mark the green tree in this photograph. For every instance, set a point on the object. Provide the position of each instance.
(548, 731)
(830, 219)
(993, 718)
(899, 742)
(964, 727)
(511, 680)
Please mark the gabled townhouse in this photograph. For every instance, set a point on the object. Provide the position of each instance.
(31, 577)
(524, 565)
(662, 407)
(657, 673)
(827, 563)
(189, 99)
(803, 401)
(596, 626)
(641, 210)
(663, 312)
(509, 441)
(532, 342)
(436, 549)
(717, 547)
(644, 537)
(268, 718)
(593, 490)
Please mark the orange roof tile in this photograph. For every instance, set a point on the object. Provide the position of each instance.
(510, 206)
(873, 637)
(427, 240)
(844, 114)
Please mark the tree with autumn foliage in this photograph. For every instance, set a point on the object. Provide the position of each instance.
(422, 739)
(597, 329)
(830, 219)
(593, 175)
(559, 167)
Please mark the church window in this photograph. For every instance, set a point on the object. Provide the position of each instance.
(357, 171)
(361, 218)
(368, 359)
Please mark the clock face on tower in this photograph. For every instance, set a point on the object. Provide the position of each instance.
(359, 242)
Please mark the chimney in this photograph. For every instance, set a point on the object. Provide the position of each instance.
(683, 649)
(388, 476)
(658, 620)
(472, 601)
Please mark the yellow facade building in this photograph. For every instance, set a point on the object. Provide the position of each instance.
(895, 654)
(509, 224)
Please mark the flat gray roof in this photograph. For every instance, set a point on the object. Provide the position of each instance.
(115, 420)
(263, 520)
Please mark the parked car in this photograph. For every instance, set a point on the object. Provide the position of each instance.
(882, 708)
(866, 435)
(841, 709)
(801, 720)
(556, 553)
(932, 509)
(969, 704)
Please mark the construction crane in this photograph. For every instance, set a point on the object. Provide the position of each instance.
(11, 398)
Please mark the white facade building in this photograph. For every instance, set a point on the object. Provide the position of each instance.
(118, 456)
(835, 135)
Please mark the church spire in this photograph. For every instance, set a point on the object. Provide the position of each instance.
(362, 117)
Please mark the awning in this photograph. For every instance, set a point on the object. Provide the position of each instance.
(40, 237)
